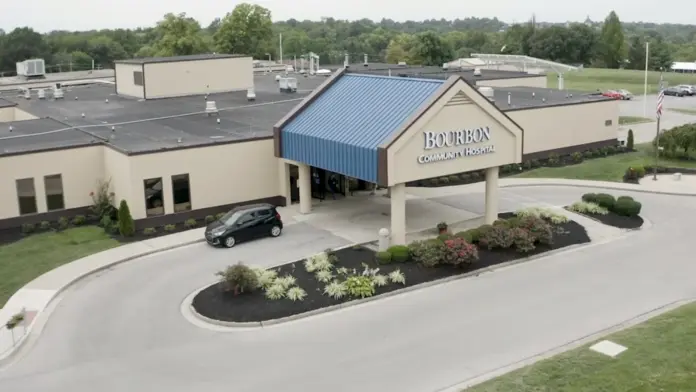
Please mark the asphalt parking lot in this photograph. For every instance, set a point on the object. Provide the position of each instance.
(641, 107)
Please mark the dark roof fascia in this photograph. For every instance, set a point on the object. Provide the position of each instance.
(177, 60)
(555, 105)
(50, 149)
(9, 104)
(186, 147)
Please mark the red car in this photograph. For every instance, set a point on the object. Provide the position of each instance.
(613, 94)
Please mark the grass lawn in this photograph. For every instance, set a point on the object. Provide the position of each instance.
(684, 111)
(611, 168)
(661, 356)
(591, 79)
(627, 120)
(24, 260)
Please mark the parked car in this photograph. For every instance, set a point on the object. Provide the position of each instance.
(243, 224)
(612, 94)
(689, 90)
(625, 95)
(675, 92)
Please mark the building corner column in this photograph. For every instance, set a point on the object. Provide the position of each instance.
(491, 195)
(305, 185)
(284, 181)
(398, 214)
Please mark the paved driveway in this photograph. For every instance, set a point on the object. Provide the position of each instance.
(122, 331)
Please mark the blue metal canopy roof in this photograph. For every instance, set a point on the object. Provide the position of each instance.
(341, 129)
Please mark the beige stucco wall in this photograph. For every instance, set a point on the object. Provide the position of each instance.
(80, 168)
(240, 172)
(117, 171)
(564, 126)
(15, 114)
(198, 77)
(125, 84)
(537, 81)
(457, 109)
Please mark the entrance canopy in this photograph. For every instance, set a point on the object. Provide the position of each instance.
(379, 129)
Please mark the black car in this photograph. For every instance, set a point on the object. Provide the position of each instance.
(674, 91)
(243, 224)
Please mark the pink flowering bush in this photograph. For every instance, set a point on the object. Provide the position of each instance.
(458, 252)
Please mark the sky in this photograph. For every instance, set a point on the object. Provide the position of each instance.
(47, 15)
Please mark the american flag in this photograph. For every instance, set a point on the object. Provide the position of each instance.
(660, 99)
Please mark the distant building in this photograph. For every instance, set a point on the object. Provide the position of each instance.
(683, 67)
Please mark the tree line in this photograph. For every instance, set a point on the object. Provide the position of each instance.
(248, 29)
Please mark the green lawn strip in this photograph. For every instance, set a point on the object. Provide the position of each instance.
(29, 258)
(592, 79)
(626, 120)
(684, 111)
(661, 356)
(611, 168)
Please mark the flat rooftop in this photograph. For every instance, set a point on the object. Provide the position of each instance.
(4, 103)
(54, 77)
(152, 125)
(177, 59)
(432, 72)
(532, 97)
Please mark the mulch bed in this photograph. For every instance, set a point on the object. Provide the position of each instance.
(618, 221)
(215, 303)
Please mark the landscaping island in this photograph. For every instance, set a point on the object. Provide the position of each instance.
(622, 212)
(335, 277)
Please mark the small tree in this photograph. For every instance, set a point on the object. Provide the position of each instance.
(125, 220)
(629, 140)
(239, 278)
(103, 200)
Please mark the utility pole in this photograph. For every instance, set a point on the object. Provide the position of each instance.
(280, 39)
(645, 84)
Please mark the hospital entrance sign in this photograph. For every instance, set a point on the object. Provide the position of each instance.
(468, 138)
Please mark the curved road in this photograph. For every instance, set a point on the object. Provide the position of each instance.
(122, 329)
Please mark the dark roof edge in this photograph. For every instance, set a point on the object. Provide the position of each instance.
(202, 145)
(174, 59)
(51, 149)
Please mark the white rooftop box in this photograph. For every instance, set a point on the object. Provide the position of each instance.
(288, 85)
(31, 68)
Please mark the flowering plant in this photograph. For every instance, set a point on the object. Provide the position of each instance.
(459, 252)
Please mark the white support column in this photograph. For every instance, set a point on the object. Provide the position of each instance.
(491, 195)
(398, 214)
(284, 181)
(305, 181)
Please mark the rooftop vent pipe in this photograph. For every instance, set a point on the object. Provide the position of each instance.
(346, 60)
(57, 92)
(365, 63)
(251, 95)
(41, 93)
(477, 71)
(27, 94)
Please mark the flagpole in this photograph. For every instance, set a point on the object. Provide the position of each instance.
(657, 130)
(645, 84)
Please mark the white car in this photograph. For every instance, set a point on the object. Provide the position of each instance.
(625, 95)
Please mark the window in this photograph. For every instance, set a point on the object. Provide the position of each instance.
(607, 123)
(54, 192)
(138, 78)
(154, 202)
(27, 196)
(181, 191)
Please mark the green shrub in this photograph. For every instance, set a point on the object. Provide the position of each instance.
(553, 160)
(399, 253)
(473, 235)
(238, 278)
(63, 223)
(606, 200)
(584, 207)
(590, 198)
(444, 237)
(79, 220)
(466, 236)
(149, 231)
(434, 182)
(114, 228)
(459, 252)
(475, 176)
(640, 170)
(498, 237)
(540, 229)
(501, 222)
(219, 215)
(125, 221)
(45, 225)
(209, 219)
(383, 257)
(429, 252)
(627, 207)
(465, 177)
(629, 140)
(612, 150)
(523, 240)
(105, 222)
(453, 178)
(360, 287)
(482, 230)
(535, 163)
(190, 223)
(588, 155)
(169, 228)
(577, 157)
(624, 198)
(548, 214)
(444, 181)
(527, 165)
(28, 228)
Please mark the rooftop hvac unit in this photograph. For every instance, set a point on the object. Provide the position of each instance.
(57, 91)
(402, 64)
(31, 68)
(477, 71)
(41, 93)
(288, 85)
(27, 94)
(487, 92)
(251, 95)
(210, 108)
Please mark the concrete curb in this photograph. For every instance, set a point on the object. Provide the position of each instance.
(188, 307)
(8, 355)
(643, 317)
(599, 185)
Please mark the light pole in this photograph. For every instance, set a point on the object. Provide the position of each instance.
(658, 112)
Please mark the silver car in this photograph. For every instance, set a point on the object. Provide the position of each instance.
(625, 94)
(688, 89)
